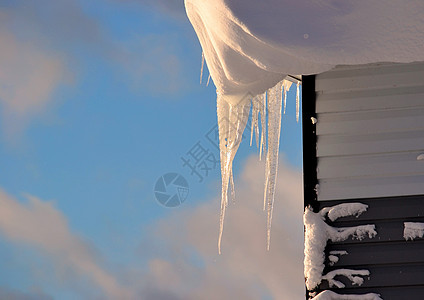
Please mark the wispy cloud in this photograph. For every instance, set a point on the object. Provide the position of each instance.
(29, 76)
(10, 294)
(44, 51)
(36, 56)
(40, 225)
(183, 260)
(245, 270)
(174, 8)
(64, 25)
(153, 65)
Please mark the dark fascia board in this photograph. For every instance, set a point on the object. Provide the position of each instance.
(309, 142)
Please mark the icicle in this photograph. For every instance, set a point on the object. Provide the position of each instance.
(286, 87)
(254, 121)
(201, 68)
(297, 101)
(232, 188)
(262, 108)
(274, 128)
(257, 103)
(251, 131)
(232, 120)
(209, 79)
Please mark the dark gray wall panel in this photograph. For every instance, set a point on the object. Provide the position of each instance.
(387, 276)
(389, 293)
(396, 266)
(379, 253)
(384, 208)
(366, 148)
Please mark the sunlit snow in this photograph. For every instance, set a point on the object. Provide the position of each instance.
(318, 232)
(413, 230)
(329, 295)
(250, 46)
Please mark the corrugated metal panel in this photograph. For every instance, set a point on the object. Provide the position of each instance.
(372, 122)
(359, 77)
(370, 131)
(386, 98)
(346, 188)
(367, 147)
(396, 266)
(399, 163)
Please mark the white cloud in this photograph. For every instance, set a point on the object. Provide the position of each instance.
(245, 270)
(28, 78)
(174, 8)
(186, 264)
(40, 225)
(41, 51)
(10, 294)
(36, 57)
(153, 65)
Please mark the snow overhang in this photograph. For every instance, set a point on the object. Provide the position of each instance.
(251, 45)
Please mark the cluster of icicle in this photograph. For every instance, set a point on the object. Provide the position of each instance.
(232, 120)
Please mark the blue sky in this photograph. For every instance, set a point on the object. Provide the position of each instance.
(98, 99)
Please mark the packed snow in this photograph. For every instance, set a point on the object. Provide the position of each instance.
(413, 230)
(250, 46)
(343, 210)
(335, 256)
(353, 275)
(318, 232)
(330, 295)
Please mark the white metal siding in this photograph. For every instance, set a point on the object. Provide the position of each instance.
(370, 131)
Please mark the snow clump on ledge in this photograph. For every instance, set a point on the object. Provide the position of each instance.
(317, 233)
(413, 230)
(330, 295)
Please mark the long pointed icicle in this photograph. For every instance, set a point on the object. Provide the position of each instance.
(264, 125)
(285, 95)
(232, 120)
(209, 79)
(297, 101)
(257, 107)
(254, 123)
(262, 109)
(286, 87)
(232, 187)
(201, 68)
(274, 129)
